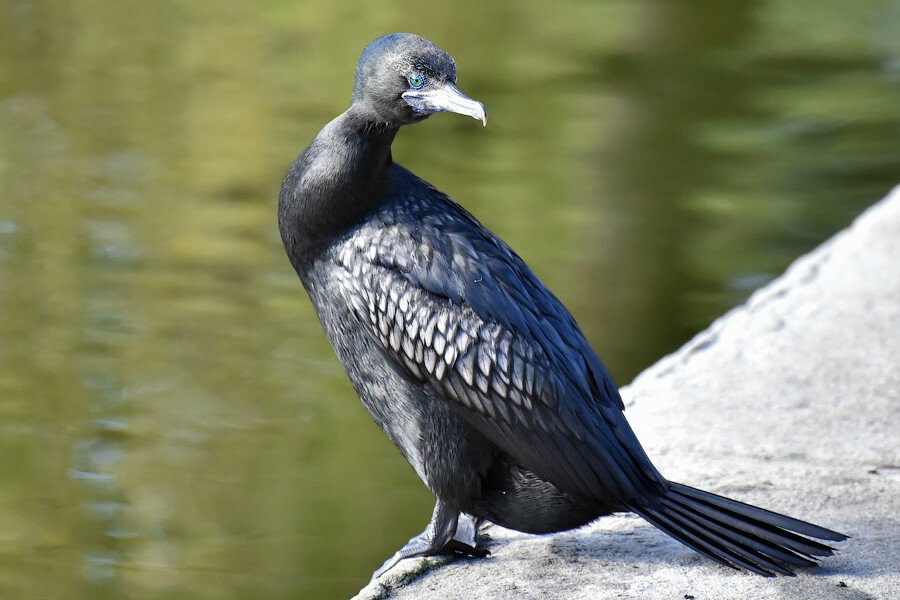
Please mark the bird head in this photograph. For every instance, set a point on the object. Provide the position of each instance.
(403, 78)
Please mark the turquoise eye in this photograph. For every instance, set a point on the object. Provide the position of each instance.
(416, 80)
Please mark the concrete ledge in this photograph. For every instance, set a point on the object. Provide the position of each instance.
(791, 402)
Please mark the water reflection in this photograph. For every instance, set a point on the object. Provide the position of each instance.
(172, 421)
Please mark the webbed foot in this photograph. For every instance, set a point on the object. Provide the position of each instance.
(450, 532)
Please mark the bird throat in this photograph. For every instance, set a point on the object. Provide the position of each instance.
(331, 187)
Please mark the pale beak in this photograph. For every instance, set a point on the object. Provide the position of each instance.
(445, 98)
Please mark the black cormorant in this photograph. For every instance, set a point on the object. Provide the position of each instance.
(475, 371)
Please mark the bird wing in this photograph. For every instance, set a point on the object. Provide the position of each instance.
(462, 313)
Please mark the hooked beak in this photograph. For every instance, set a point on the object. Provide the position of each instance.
(446, 98)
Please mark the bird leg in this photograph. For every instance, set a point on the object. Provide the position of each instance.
(449, 532)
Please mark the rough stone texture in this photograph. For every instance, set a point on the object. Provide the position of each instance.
(791, 402)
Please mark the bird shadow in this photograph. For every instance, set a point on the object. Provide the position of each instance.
(632, 545)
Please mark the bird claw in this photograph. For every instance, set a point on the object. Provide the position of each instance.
(459, 548)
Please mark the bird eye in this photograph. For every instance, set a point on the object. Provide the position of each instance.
(416, 80)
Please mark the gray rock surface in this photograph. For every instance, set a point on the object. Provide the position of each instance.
(791, 402)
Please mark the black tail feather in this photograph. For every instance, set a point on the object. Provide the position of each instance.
(702, 544)
(736, 534)
(755, 522)
(767, 516)
(760, 549)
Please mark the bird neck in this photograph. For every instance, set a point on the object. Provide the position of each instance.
(338, 180)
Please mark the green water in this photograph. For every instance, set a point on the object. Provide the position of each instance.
(172, 422)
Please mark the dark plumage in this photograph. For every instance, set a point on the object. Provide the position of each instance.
(474, 370)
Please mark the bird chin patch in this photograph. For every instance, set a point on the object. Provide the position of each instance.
(416, 116)
(420, 109)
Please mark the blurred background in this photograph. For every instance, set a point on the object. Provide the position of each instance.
(173, 423)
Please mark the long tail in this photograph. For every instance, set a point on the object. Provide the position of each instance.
(738, 535)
